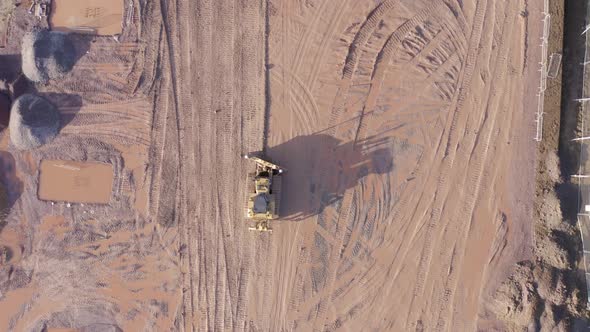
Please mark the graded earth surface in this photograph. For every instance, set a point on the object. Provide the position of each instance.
(405, 127)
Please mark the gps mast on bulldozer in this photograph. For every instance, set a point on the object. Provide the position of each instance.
(264, 189)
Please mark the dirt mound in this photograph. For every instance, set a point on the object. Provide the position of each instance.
(547, 293)
(538, 295)
(34, 121)
(46, 55)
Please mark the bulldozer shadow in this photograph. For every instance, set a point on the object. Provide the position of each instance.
(321, 168)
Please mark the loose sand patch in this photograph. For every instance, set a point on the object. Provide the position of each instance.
(75, 181)
(101, 17)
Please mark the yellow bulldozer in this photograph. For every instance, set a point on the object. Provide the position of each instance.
(264, 190)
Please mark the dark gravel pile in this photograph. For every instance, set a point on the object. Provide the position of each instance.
(34, 121)
(46, 55)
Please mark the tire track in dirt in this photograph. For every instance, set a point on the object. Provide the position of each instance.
(301, 96)
(442, 188)
(321, 50)
(384, 59)
(427, 241)
(107, 135)
(226, 157)
(402, 207)
(385, 56)
(103, 68)
(250, 73)
(347, 200)
(305, 41)
(285, 263)
(171, 18)
(214, 114)
(477, 157)
(339, 104)
(332, 21)
(199, 60)
(420, 201)
(362, 36)
(130, 121)
(285, 22)
(159, 109)
(137, 109)
(110, 47)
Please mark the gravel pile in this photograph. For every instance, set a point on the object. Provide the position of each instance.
(34, 121)
(46, 55)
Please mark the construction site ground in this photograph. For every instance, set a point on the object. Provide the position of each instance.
(405, 128)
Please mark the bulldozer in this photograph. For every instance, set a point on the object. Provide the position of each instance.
(264, 189)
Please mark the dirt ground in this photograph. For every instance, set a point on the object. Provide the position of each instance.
(405, 127)
(409, 124)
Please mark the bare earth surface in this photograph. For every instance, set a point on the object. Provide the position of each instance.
(405, 127)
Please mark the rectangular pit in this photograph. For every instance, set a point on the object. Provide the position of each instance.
(98, 17)
(72, 181)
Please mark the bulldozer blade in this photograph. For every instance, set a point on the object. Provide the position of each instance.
(260, 229)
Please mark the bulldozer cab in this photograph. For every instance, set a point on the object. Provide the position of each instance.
(263, 194)
(263, 183)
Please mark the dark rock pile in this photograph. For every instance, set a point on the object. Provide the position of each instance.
(34, 121)
(46, 55)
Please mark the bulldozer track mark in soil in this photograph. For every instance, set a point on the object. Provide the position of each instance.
(436, 214)
(326, 38)
(478, 160)
(304, 42)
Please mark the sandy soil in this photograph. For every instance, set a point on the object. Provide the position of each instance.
(101, 17)
(432, 96)
(405, 126)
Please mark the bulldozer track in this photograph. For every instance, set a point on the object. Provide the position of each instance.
(478, 161)
(333, 25)
(115, 67)
(343, 215)
(417, 221)
(470, 64)
(217, 281)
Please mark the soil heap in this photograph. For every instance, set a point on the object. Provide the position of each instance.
(34, 121)
(46, 55)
